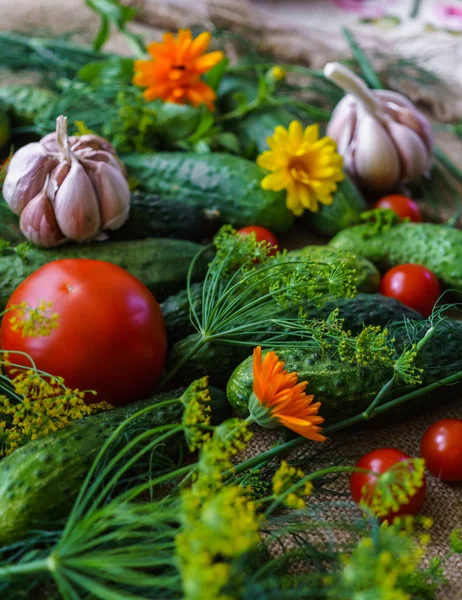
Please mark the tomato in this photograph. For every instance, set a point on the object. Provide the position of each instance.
(413, 285)
(263, 235)
(111, 334)
(441, 447)
(402, 206)
(379, 461)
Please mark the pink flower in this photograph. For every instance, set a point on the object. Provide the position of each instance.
(367, 9)
(448, 15)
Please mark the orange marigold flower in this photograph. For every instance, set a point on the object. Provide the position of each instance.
(279, 398)
(173, 74)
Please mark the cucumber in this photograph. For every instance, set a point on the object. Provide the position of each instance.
(219, 182)
(219, 360)
(437, 247)
(175, 310)
(345, 210)
(161, 264)
(153, 216)
(40, 481)
(344, 389)
(24, 103)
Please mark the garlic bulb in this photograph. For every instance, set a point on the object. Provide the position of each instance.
(67, 188)
(383, 138)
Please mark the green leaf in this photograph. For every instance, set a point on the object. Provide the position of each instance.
(176, 122)
(114, 70)
(215, 75)
(9, 225)
(113, 10)
(229, 142)
(102, 35)
(364, 63)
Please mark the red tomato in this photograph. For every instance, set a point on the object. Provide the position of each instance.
(263, 235)
(111, 334)
(402, 206)
(379, 461)
(413, 285)
(441, 447)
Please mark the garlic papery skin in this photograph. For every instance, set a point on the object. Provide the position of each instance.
(76, 188)
(384, 139)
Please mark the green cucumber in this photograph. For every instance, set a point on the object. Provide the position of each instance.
(40, 481)
(154, 216)
(437, 247)
(25, 103)
(345, 389)
(219, 360)
(220, 182)
(345, 210)
(161, 264)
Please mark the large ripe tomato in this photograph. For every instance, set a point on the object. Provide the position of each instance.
(263, 235)
(380, 461)
(441, 447)
(111, 335)
(413, 285)
(402, 206)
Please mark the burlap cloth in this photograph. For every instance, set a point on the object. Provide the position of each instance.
(311, 39)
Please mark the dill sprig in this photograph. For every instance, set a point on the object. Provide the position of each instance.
(250, 298)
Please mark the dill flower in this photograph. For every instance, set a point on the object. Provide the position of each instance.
(197, 415)
(33, 322)
(279, 399)
(284, 478)
(307, 167)
(174, 70)
(394, 488)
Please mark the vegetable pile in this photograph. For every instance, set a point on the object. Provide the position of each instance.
(156, 318)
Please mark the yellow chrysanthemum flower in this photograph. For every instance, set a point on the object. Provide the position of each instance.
(307, 167)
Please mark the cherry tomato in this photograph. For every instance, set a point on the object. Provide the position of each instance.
(441, 447)
(111, 334)
(379, 461)
(263, 235)
(402, 206)
(413, 285)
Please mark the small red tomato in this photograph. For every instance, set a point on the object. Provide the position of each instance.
(111, 333)
(263, 235)
(380, 461)
(441, 447)
(413, 285)
(402, 206)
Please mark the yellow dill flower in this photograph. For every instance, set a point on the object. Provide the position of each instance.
(198, 413)
(33, 322)
(307, 167)
(284, 478)
(395, 487)
(276, 73)
(45, 405)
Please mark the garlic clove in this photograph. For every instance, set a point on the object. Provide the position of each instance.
(101, 155)
(415, 158)
(416, 121)
(91, 142)
(76, 205)
(376, 158)
(343, 123)
(38, 222)
(26, 175)
(113, 193)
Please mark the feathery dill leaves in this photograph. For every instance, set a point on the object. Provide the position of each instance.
(250, 298)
